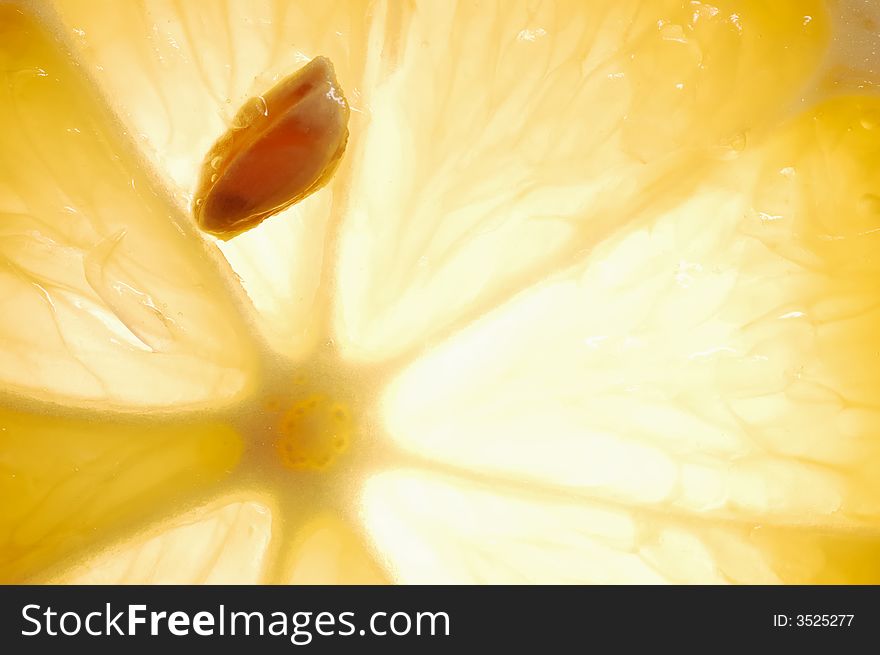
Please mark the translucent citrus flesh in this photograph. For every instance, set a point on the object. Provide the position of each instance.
(568, 123)
(107, 299)
(220, 545)
(593, 289)
(69, 485)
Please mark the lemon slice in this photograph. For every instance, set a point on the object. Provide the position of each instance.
(570, 310)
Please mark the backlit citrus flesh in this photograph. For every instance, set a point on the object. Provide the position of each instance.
(590, 298)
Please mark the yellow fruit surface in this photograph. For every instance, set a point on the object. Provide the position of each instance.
(590, 299)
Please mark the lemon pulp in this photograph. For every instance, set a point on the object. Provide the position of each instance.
(647, 358)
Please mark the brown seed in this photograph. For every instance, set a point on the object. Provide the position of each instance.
(282, 147)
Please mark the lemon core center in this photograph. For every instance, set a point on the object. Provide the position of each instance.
(313, 432)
